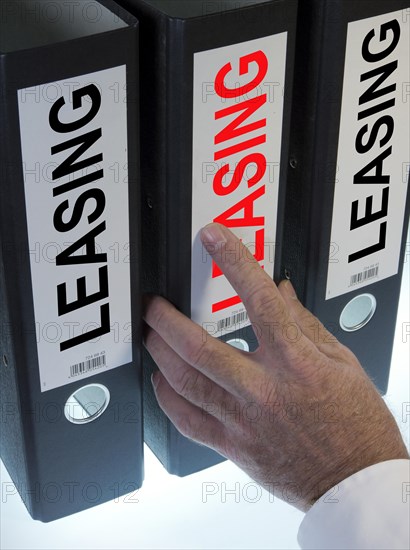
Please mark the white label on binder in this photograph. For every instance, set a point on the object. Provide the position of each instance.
(373, 157)
(74, 149)
(237, 131)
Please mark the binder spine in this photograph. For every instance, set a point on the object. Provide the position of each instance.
(172, 34)
(322, 156)
(178, 142)
(16, 442)
(165, 232)
(12, 441)
(56, 455)
(153, 129)
(154, 231)
(313, 104)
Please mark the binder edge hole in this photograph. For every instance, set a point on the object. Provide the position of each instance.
(238, 343)
(366, 316)
(73, 403)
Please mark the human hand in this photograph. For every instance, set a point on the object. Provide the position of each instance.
(298, 415)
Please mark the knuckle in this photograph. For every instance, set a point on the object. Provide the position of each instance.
(184, 426)
(190, 429)
(199, 354)
(232, 254)
(151, 340)
(187, 383)
(158, 313)
(268, 392)
(213, 437)
(346, 356)
(263, 300)
(306, 318)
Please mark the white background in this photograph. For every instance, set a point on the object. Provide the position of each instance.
(169, 512)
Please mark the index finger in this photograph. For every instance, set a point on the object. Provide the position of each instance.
(264, 303)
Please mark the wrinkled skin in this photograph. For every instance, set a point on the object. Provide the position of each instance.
(299, 415)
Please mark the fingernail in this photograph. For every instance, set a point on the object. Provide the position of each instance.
(155, 379)
(290, 290)
(212, 236)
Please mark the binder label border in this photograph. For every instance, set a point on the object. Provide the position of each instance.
(373, 156)
(237, 131)
(75, 167)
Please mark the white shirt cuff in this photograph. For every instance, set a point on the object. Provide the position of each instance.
(368, 510)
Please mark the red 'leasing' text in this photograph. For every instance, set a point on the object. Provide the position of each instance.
(241, 213)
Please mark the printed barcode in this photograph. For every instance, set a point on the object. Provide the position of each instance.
(86, 366)
(364, 275)
(228, 322)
